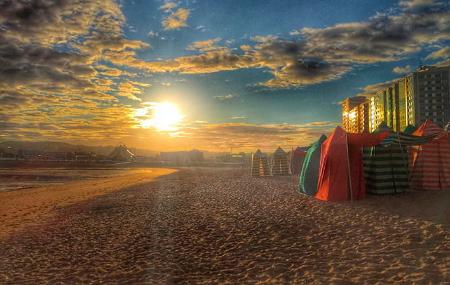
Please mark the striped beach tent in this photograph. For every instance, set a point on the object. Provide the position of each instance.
(386, 165)
(431, 161)
(310, 169)
(280, 165)
(409, 129)
(260, 164)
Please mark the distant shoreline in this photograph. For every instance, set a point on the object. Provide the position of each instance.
(108, 164)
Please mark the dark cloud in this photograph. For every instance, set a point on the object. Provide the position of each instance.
(383, 38)
(49, 54)
(306, 71)
(323, 54)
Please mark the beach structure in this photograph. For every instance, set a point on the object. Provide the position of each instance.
(260, 164)
(310, 169)
(341, 175)
(386, 164)
(121, 153)
(297, 159)
(280, 165)
(431, 161)
(409, 129)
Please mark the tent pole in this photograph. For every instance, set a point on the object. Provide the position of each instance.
(348, 168)
(290, 167)
(251, 166)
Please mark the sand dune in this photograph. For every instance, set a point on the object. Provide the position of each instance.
(222, 227)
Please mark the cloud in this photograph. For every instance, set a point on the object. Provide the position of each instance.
(201, 28)
(51, 22)
(226, 97)
(322, 54)
(248, 137)
(443, 53)
(65, 67)
(205, 46)
(129, 89)
(402, 69)
(176, 20)
(305, 71)
(168, 6)
(239, 118)
(414, 5)
(382, 38)
(370, 90)
(56, 76)
(153, 34)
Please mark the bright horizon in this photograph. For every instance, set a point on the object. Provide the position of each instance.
(180, 75)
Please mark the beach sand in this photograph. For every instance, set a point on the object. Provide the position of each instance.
(220, 226)
(33, 203)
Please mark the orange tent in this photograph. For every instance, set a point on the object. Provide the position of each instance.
(341, 174)
(431, 161)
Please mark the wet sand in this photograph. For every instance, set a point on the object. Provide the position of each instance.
(217, 226)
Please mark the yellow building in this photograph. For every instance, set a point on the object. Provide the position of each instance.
(355, 114)
(389, 105)
(421, 95)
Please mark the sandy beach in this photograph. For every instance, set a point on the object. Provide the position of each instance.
(219, 226)
(34, 203)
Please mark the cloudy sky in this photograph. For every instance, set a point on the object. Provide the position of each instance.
(204, 74)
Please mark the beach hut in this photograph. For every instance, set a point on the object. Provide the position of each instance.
(260, 164)
(386, 165)
(280, 165)
(310, 169)
(431, 161)
(341, 168)
(297, 159)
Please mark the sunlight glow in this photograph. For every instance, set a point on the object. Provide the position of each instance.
(163, 116)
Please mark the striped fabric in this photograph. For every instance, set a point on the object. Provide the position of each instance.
(386, 166)
(405, 139)
(386, 169)
(260, 165)
(280, 165)
(431, 162)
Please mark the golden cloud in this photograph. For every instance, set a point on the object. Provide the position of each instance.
(176, 20)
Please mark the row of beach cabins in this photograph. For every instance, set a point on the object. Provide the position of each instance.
(344, 166)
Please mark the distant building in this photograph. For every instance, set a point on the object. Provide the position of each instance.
(411, 100)
(355, 114)
(429, 95)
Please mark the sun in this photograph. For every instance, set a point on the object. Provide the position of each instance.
(164, 116)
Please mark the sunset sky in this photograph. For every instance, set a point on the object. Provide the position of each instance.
(203, 74)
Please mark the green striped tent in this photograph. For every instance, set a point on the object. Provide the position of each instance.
(386, 165)
(409, 129)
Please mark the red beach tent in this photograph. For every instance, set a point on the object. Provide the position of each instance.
(431, 161)
(341, 175)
